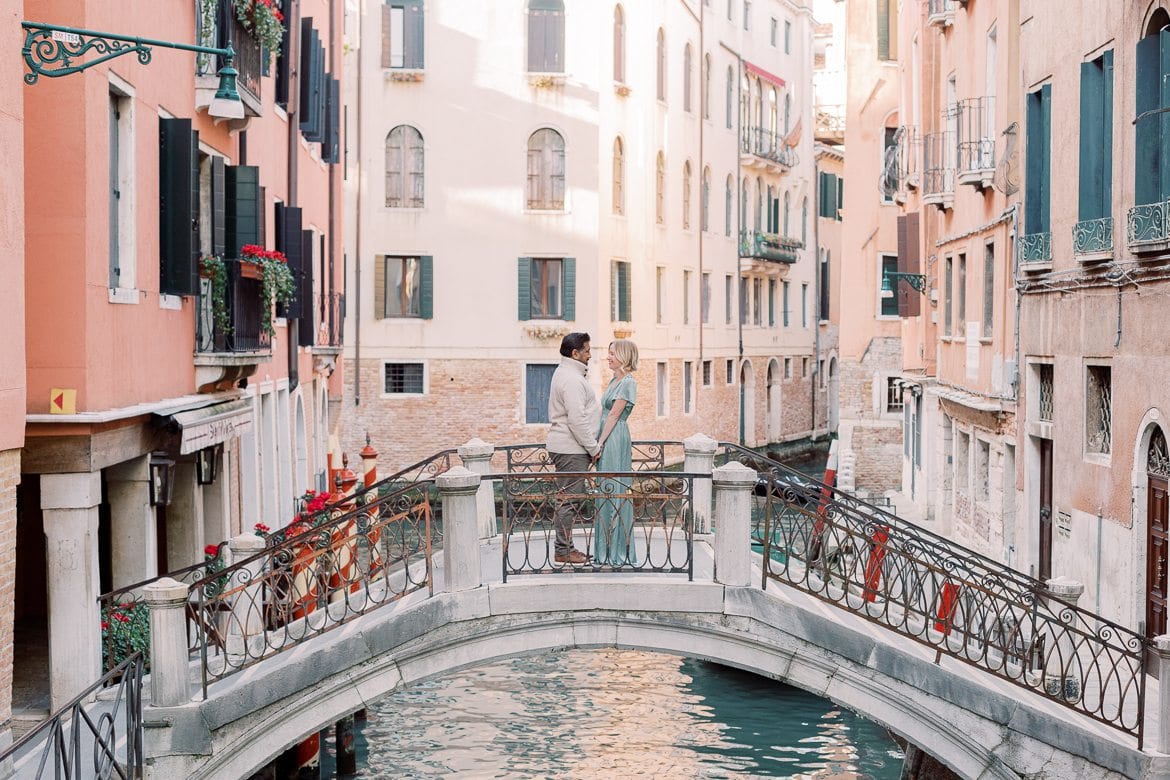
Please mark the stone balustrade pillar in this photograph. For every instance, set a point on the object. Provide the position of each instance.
(1162, 658)
(700, 459)
(1060, 658)
(477, 458)
(169, 679)
(733, 523)
(458, 488)
(248, 608)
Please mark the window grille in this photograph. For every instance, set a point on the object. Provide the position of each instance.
(893, 396)
(1046, 393)
(1098, 411)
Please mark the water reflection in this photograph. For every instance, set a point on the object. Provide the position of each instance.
(616, 713)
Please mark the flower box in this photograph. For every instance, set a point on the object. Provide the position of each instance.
(251, 271)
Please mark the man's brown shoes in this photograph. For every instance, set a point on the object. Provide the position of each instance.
(572, 556)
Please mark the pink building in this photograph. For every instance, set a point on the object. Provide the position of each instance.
(148, 362)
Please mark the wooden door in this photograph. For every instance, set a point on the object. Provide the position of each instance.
(1156, 557)
(1044, 571)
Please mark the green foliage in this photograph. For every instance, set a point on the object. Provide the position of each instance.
(263, 21)
(125, 631)
(213, 267)
(278, 287)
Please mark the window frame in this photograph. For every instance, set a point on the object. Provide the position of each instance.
(546, 176)
(891, 295)
(532, 287)
(412, 173)
(404, 299)
(425, 379)
(525, 389)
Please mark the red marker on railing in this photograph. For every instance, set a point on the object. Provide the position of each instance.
(823, 506)
(877, 556)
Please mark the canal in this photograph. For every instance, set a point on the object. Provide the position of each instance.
(616, 713)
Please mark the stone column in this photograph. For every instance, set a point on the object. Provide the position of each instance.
(133, 531)
(1060, 658)
(248, 609)
(700, 458)
(733, 523)
(185, 518)
(217, 511)
(69, 504)
(477, 458)
(1161, 650)
(169, 680)
(458, 488)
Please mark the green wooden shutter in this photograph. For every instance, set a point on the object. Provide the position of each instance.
(426, 286)
(883, 29)
(380, 286)
(840, 197)
(1033, 164)
(1147, 151)
(218, 205)
(1089, 195)
(569, 282)
(624, 300)
(1107, 134)
(291, 242)
(1164, 118)
(1046, 162)
(306, 322)
(242, 210)
(178, 207)
(524, 288)
(413, 34)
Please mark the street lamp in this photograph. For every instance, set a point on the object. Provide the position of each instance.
(51, 50)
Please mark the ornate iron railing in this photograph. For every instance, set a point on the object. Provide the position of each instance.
(1092, 236)
(940, 11)
(976, 122)
(830, 122)
(1149, 224)
(332, 319)
(1035, 248)
(938, 165)
(769, 246)
(770, 146)
(634, 521)
(314, 581)
(1047, 400)
(240, 329)
(216, 21)
(535, 458)
(87, 738)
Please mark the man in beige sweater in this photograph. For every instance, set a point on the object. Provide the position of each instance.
(575, 418)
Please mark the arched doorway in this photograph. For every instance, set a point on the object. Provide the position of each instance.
(747, 404)
(1157, 533)
(301, 475)
(774, 424)
(834, 394)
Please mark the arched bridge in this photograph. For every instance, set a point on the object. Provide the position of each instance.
(714, 552)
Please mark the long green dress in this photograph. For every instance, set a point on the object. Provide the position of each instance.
(613, 541)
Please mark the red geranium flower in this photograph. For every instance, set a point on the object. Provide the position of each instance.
(121, 618)
(262, 528)
(105, 626)
(211, 550)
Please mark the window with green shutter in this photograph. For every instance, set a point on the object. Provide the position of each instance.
(1096, 159)
(547, 288)
(243, 210)
(887, 33)
(619, 295)
(1038, 156)
(178, 167)
(1152, 155)
(404, 286)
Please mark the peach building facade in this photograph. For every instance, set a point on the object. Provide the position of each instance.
(640, 170)
(140, 366)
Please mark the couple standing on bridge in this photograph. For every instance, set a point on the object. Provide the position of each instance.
(578, 438)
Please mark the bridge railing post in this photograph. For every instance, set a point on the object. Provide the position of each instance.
(1162, 656)
(477, 457)
(247, 618)
(457, 489)
(733, 523)
(699, 458)
(1061, 659)
(169, 682)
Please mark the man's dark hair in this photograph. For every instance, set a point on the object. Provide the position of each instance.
(573, 341)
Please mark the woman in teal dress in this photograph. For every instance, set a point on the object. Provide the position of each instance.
(613, 540)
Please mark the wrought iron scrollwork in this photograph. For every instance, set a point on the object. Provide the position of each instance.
(1158, 460)
(53, 52)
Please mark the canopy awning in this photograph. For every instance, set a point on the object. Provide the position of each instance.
(211, 425)
(765, 75)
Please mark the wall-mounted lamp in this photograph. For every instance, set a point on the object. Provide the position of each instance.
(162, 479)
(207, 464)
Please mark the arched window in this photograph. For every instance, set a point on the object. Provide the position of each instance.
(619, 45)
(759, 204)
(706, 97)
(688, 66)
(743, 205)
(661, 65)
(660, 190)
(730, 95)
(705, 204)
(772, 110)
(1152, 135)
(759, 89)
(804, 221)
(546, 170)
(768, 217)
(745, 108)
(727, 206)
(787, 112)
(404, 168)
(619, 177)
(787, 209)
(546, 36)
(686, 198)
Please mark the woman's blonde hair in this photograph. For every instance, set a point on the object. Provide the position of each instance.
(626, 352)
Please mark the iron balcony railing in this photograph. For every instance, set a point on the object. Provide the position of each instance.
(238, 326)
(1093, 236)
(763, 143)
(1149, 224)
(331, 319)
(940, 11)
(1036, 248)
(769, 246)
(976, 143)
(217, 23)
(830, 122)
(88, 738)
(938, 165)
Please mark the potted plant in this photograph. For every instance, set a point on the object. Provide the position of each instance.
(212, 267)
(263, 20)
(277, 282)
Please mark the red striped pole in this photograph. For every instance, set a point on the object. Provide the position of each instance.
(830, 482)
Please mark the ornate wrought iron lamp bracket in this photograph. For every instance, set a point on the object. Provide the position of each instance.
(52, 51)
(917, 281)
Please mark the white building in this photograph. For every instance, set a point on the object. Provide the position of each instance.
(519, 170)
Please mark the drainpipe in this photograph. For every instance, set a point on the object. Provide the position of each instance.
(294, 96)
(737, 287)
(1014, 241)
(817, 288)
(704, 105)
(357, 252)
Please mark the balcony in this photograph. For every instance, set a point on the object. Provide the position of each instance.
(1093, 239)
(830, 124)
(941, 12)
(771, 247)
(330, 319)
(216, 27)
(975, 118)
(762, 149)
(1149, 228)
(1036, 251)
(228, 347)
(938, 169)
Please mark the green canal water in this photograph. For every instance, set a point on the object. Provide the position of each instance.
(616, 714)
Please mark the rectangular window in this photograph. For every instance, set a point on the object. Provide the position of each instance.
(546, 288)
(889, 181)
(121, 196)
(889, 286)
(758, 301)
(686, 297)
(784, 302)
(947, 295)
(804, 368)
(988, 288)
(730, 372)
(1045, 385)
(774, 30)
(961, 294)
(893, 395)
(804, 305)
(771, 303)
(962, 461)
(747, 14)
(663, 389)
(660, 294)
(707, 373)
(1037, 163)
(404, 379)
(787, 368)
(825, 313)
(402, 34)
(787, 37)
(546, 38)
(402, 286)
(887, 29)
(688, 382)
(1096, 159)
(1099, 410)
(729, 4)
(743, 300)
(982, 470)
(537, 382)
(705, 298)
(727, 302)
(619, 294)
(1152, 167)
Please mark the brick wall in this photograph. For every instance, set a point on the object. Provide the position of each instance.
(879, 457)
(484, 398)
(9, 479)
